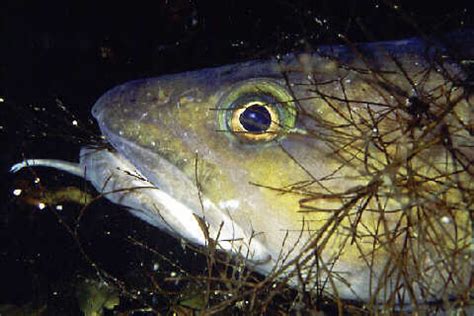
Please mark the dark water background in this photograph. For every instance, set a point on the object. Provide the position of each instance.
(71, 52)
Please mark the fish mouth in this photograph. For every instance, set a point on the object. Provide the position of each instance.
(172, 202)
(206, 223)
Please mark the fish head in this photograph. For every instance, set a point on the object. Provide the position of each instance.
(184, 134)
(300, 160)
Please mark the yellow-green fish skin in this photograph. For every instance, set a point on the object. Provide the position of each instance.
(371, 173)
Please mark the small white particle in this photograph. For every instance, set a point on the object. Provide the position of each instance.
(55, 293)
(155, 266)
(317, 20)
(41, 205)
(173, 274)
(74, 123)
(2, 100)
(229, 204)
(37, 180)
(445, 220)
(59, 207)
(16, 192)
(206, 204)
(183, 244)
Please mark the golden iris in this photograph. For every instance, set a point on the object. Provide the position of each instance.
(257, 110)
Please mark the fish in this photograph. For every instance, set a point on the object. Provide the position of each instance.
(347, 169)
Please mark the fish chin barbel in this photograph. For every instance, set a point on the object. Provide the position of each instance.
(348, 169)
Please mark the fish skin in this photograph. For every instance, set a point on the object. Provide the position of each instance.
(174, 119)
(361, 182)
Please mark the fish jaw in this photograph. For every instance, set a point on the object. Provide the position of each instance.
(121, 183)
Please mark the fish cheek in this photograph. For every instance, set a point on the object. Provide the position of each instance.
(210, 159)
(271, 173)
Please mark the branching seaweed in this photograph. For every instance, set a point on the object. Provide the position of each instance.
(406, 145)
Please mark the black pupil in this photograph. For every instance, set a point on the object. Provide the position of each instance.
(255, 118)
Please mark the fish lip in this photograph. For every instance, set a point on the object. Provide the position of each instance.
(196, 211)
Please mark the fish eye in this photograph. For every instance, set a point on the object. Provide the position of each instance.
(255, 121)
(255, 118)
(257, 110)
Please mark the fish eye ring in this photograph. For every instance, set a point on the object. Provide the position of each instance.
(257, 110)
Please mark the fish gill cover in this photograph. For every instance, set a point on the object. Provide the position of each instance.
(63, 245)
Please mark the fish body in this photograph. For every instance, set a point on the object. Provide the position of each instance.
(349, 168)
